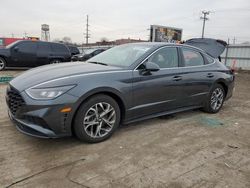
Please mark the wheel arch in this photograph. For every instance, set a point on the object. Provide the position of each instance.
(223, 84)
(5, 60)
(107, 91)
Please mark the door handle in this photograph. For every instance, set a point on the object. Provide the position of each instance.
(210, 75)
(177, 78)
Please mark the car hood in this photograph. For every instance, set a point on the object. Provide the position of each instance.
(4, 51)
(211, 46)
(49, 72)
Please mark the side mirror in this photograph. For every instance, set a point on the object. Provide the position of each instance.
(151, 67)
(16, 49)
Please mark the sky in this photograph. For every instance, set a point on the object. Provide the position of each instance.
(115, 19)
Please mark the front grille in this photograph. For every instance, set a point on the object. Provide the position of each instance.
(14, 100)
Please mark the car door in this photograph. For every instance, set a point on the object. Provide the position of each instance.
(43, 53)
(197, 77)
(24, 54)
(159, 91)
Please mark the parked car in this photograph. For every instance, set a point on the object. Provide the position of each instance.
(125, 84)
(74, 50)
(88, 54)
(29, 53)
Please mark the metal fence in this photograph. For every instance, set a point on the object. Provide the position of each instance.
(237, 56)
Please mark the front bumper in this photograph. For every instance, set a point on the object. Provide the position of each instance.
(31, 129)
(43, 119)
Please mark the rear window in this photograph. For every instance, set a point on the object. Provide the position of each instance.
(192, 58)
(59, 48)
(74, 49)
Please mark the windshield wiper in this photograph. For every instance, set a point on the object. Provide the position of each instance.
(100, 63)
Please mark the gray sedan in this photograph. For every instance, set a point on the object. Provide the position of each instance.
(127, 83)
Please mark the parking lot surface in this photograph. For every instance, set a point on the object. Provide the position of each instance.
(190, 149)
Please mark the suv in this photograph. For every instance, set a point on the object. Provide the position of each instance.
(73, 50)
(29, 53)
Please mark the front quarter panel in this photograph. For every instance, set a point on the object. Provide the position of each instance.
(115, 82)
(118, 83)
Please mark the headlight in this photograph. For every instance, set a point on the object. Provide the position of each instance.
(47, 93)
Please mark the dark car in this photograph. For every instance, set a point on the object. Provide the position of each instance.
(73, 50)
(29, 53)
(88, 54)
(125, 84)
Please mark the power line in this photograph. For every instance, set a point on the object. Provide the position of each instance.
(204, 18)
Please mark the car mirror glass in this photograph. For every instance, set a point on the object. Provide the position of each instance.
(151, 66)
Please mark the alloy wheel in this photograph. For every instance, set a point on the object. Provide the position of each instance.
(217, 99)
(1, 64)
(99, 120)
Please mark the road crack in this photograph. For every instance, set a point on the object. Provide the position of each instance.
(43, 171)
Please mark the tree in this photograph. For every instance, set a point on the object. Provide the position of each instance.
(66, 40)
(57, 40)
(104, 41)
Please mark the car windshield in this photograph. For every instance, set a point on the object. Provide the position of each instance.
(89, 51)
(121, 56)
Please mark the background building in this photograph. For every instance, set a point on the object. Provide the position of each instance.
(6, 41)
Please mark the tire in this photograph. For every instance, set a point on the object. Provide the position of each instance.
(92, 124)
(2, 64)
(55, 61)
(215, 99)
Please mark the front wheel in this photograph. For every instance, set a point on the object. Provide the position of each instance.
(97, 119)
(215, 99)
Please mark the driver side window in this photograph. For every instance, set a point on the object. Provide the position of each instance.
(27, 47)
(165, 57)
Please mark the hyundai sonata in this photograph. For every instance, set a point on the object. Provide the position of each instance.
(124, 84)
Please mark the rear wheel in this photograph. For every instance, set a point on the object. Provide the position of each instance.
(2, 64)
(215, 100)
(97, 119)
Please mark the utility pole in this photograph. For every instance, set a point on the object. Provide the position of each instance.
(234, 40)
(204, 18)
(87, 36)
(228, 41)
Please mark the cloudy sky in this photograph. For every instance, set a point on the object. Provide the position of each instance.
(116, 19)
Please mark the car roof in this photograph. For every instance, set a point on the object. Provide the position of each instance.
(40, 41)
(162, 44)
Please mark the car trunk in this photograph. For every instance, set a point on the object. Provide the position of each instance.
(211, 46)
